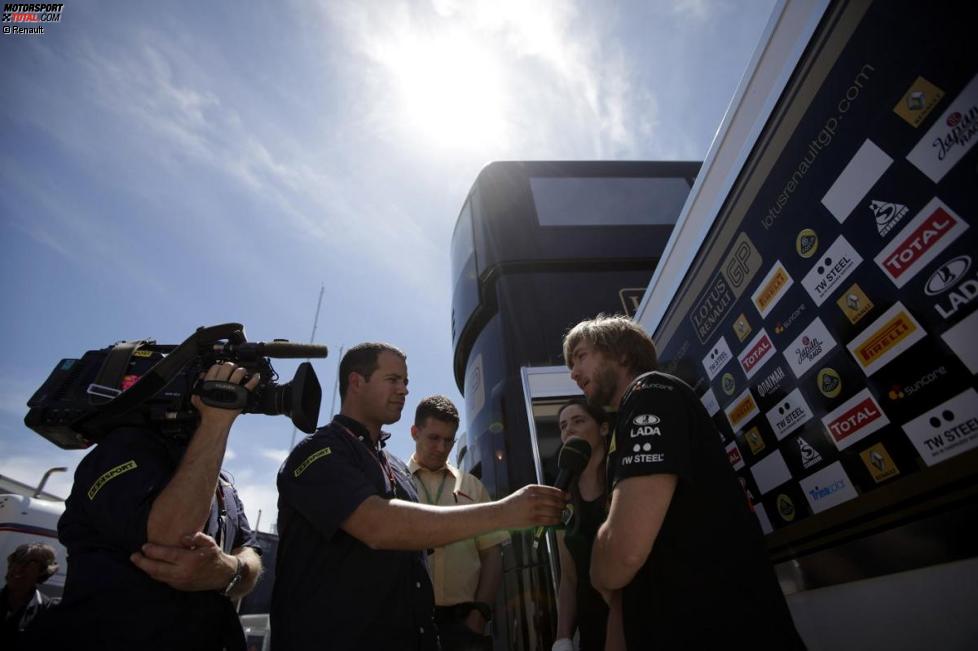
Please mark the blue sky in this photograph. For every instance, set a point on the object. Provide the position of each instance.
(171, 165)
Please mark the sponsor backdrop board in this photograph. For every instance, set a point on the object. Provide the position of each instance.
(831, 320)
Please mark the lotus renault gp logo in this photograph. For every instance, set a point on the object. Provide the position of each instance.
(806, 243)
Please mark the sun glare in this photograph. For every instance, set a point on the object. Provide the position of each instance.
(450, 91)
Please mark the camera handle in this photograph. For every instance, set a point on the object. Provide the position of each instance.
(224, 395)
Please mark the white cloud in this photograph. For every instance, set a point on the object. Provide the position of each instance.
(274, 454)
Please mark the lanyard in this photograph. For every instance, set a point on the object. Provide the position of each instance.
(379, 457)
(441, 488)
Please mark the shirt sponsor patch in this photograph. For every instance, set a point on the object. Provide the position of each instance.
(772, 288)
(709, 400)
(947, 430)
(717, 358)
(950, 137)
(857, 179)
(828, 487)
(854, 303)
(838, 263)
(919, 100)
(770, 472)
(109, 475)
(733, 454)
(879, 463)
(931, 231)
(961, 339)
(889, 335)
(790, 414)
(854, 420)
(811, 345)
(312, 458)
(741, 410)
(758, 351)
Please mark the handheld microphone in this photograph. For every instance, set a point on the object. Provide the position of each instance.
(571, 462)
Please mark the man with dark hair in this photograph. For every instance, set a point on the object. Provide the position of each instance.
(680, 559)
(351, 571)
(466, 574)
(159, 547)
(30, 565)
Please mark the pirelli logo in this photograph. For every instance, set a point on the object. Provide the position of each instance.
(109, 476)
(741, 410)
(311, 459)
(772, 288)
(891, 334)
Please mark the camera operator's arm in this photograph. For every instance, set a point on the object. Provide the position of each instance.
(182, 507)
(200, 565)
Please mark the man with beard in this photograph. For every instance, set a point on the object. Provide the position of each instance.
(351, 571)
(681, 557)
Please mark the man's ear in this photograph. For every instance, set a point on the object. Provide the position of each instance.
(414, 432)
(355, 380)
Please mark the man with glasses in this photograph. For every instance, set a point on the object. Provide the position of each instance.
(465, 574)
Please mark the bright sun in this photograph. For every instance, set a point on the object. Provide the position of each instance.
(450, 89)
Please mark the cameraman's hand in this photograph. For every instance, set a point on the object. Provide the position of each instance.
(533, 506)
(199, 565)
(222, 372)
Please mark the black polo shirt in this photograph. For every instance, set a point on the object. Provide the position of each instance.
(108, 602)
(331, 590)
(708, 581)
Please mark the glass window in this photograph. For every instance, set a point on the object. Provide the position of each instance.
(607, 201)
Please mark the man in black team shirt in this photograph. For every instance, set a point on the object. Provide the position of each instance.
(680, 558)
(351, 571)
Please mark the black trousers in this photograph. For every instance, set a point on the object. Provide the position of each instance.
(454, 634)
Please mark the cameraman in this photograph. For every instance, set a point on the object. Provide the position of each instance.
(158, 542)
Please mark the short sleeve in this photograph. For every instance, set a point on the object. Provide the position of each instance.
(652, 435)
(324, 483)
(116, 485)
(244, 536)
(481, 496)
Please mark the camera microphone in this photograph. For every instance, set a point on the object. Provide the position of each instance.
(571, 461)
(279, 349)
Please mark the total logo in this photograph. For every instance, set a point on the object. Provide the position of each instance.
(900, 392)
(806, 244)
(733, 454)
(758, 351)
(839, 262)
(828, 487)
(809, 455)
(717, 358)
(784, 325)
(887, 215)
(786, 508)
(931, 231)
(889, 335)
(854, 420)
(645, 425)
(789, 415)
(946, 430)
(829, 382)
(947, 275)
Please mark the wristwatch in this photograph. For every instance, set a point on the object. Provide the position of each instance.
(236, 579)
